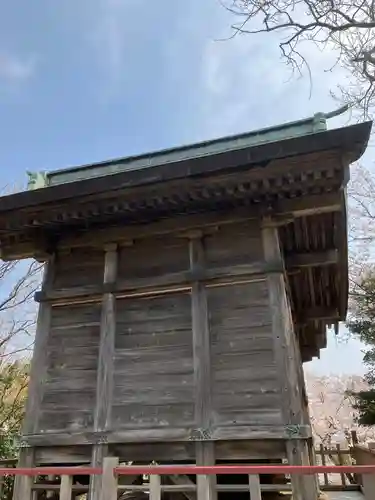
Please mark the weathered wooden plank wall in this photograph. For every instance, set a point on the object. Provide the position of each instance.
(152, 383)
(153, 375)
(245, 384)
(78, 266)
(150, 257)
(234, 244)
(72, 357)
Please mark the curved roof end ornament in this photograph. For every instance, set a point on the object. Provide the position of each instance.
(36, 180)
(320, 119)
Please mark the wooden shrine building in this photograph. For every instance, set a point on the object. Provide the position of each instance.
(182, 292)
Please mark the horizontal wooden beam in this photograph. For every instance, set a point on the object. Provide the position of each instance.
(182, 280)
(311, 259)
(310, 205)
(167, 434)
(166, 283)
(317, 313)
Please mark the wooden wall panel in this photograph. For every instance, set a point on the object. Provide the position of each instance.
(72, 357)
(234, 244)
(245, 387)
(154, 257)
(153, 362)
(79, 267)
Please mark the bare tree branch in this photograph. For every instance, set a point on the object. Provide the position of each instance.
(18, 282)
(331, 412)
(348, 27)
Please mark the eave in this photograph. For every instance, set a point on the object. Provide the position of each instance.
(350, 141)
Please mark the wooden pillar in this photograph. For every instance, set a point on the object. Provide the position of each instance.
(109, 488)
(36, 384)
(368, 486)
(104, 385)
(285, 349)
(204, 450)
(22, 484)
(39, 359)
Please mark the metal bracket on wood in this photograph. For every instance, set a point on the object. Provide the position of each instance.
(20, 442)
(200, 435)
(101, 438)
(293, 431)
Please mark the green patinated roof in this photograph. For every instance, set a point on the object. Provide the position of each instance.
(307, 126)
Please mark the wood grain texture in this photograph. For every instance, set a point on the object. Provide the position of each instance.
(206, 485)
(81, 265)
(149, 258)
(245, 379)
(205, 451)
(104, 381)
(250, 449)
(304, 487)
(23, 484)
(153, 364)
(72, 356)
(39, 364)
(254, 487)
(98, 454)
(110, 482)
(135, 287)
(234, 244)
(296, 207)
(55, 455)
(66, 488)
(104, 384)
(288, 361)
(201, 340)
(283, 334)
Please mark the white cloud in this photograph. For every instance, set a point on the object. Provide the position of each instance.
(247, 86)
(16, 69)
(113, 36)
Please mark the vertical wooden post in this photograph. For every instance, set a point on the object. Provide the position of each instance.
(66, 488)
(287, 359)
(322, 453)
(109, 483)
(39, 362)
(312, 459)
(254, 485)
(204, 450)
(368, 486)
(354, 436)
(155, 487)
(340, 461)
(206, 484)
(104, 385)
(23, 484)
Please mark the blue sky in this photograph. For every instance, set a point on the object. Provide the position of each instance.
(89, 80)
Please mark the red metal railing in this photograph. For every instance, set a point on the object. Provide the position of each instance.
(110, 485)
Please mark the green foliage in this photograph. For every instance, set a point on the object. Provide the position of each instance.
(365, 405)
(362, 324)
(13, 383)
